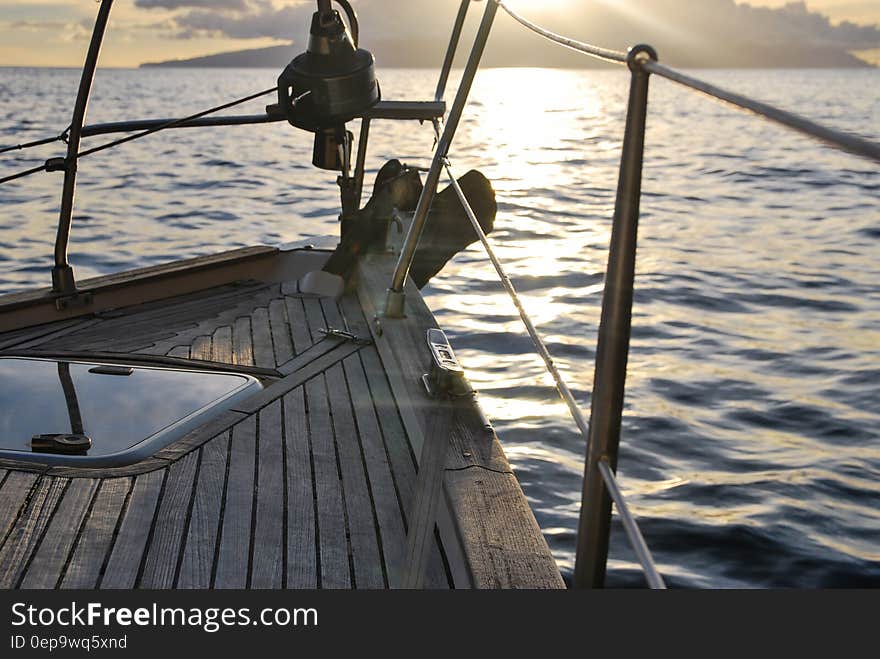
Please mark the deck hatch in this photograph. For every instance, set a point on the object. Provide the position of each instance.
(127, 411)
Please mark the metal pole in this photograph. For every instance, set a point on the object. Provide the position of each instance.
(204, 122)
(394, 302)
(450, 51)
(614, 334)
(73, 411)
(63, 281)
(361, 160)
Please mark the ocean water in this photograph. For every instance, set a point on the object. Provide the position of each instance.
(751, 437)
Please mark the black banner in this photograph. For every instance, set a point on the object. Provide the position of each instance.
(133, 622)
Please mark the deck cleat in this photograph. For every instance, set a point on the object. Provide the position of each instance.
(446, 377)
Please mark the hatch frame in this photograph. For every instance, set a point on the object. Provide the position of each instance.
(162, 438)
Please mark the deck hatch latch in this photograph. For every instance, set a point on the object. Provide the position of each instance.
(62, 443)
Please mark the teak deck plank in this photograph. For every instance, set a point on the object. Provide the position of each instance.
(221, 345)
(299, 329)
(400, 458)
(500, 555)
(168, 531)
(389, 514)
(314, 316)
(313, 368)
(309, 355)
(302, 560)
(359, 505)
(372, 468)
(179, 351)
(46, 566)
(201, 348)
(332, 532)
(267, 570)
(264, 354)
(84, 569)
(42, 334)
(14, 338)
(14, 492)
(145, 327)
(281, 339)
(130, 545)
(211, 319)
(25, 535)
(242, 343)
(197, 565)
(231, 570)
(423, 510)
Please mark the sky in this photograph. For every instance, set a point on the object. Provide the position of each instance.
(55, 32)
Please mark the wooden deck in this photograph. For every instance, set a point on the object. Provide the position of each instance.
(306, 485)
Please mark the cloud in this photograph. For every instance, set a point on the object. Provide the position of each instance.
(69, 30)
(710, 32)
(254, 19)
(744, 22)
(256, 22)
(237, 19)
(240, 5)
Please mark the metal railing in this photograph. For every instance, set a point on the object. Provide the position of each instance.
(63, 282)
(600, 486)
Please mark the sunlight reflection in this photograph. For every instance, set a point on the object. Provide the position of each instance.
(531, 115)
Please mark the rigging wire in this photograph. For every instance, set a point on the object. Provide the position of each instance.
(28, 145)
(56, 164)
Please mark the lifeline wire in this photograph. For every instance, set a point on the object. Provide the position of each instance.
(593, 51)
(48, 140)
(130, 138)
(27, 172)
(540, 346)
(177, 122)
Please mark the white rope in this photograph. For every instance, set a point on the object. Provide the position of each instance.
(593, 51)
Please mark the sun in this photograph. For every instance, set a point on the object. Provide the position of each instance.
(535, 7)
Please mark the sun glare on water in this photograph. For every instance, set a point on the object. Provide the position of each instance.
(541, 132)
(528, 115)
